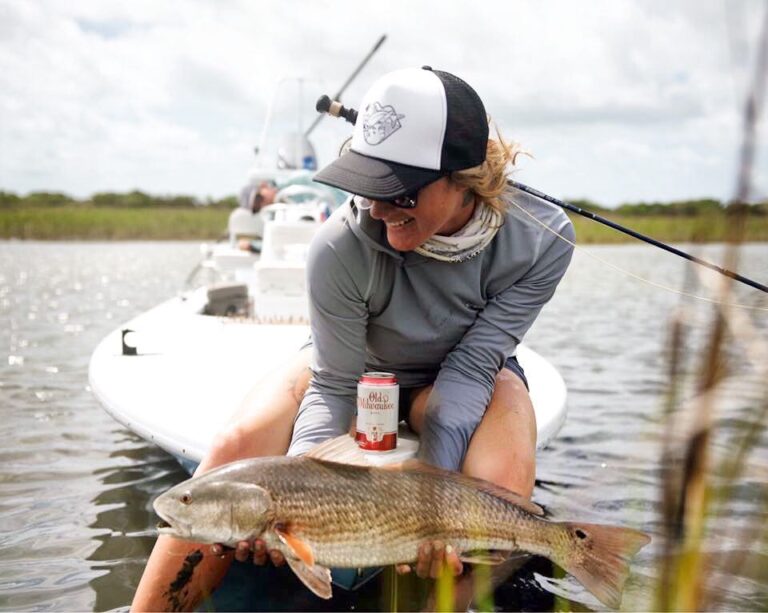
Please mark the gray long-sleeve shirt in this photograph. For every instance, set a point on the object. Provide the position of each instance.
(427, 321)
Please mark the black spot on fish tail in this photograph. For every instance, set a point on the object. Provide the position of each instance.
(177, 598)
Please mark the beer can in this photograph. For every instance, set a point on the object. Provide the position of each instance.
(377, 411)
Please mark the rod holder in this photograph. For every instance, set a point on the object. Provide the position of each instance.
(334, 108)
(127, 349)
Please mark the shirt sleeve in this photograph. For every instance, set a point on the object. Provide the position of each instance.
(465, 383)
(338, 316)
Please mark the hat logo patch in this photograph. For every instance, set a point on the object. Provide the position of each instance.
(380, 122)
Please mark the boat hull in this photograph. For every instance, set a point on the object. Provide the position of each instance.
(190, 372)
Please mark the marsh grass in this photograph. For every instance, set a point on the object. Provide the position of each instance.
(704, 228)
(708, 455)
(444, 591)
(77, 222)
(483, 588)
(81, 222)
(707, 540)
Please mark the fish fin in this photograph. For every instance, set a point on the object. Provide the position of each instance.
(299, 547)
(601, 558)
(317, 578)
(341, 449)
(483, 557)
(480, 484)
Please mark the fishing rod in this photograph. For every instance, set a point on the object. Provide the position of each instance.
(651, 241)
(334, 108)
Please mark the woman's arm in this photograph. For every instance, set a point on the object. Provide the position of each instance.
(464, 386)
(338, 316)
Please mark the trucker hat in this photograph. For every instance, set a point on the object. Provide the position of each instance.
(414, 126)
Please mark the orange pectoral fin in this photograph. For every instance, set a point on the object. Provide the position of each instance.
(317, 578)
(299, 547)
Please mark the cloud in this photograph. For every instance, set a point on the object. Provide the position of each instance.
(611, 95)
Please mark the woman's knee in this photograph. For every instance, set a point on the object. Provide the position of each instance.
(228, 445)
(266, 433)
(513, 469)
(517, 475)
(503, 448)
(263, 423)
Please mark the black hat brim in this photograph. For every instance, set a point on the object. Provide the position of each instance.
(375, 178)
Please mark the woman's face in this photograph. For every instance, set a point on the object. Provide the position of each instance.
(440, 209)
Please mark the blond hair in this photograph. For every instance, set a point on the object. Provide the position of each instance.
(488, 181)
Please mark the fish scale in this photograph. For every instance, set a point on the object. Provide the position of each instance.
(386, 515)
(324, 514)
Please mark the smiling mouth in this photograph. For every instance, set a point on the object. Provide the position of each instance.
(399, 224)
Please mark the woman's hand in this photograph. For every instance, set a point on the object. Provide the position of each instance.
(433, 556)
(257, 548)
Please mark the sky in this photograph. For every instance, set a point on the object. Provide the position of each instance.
(616, 100)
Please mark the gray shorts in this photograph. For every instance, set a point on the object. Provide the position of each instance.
(317, 423)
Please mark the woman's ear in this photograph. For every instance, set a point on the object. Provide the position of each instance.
(459, 189)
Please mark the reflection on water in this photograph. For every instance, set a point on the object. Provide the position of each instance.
(125, 504)
(67, 484)
(76, 488)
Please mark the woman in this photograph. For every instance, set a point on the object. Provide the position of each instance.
(434, 270)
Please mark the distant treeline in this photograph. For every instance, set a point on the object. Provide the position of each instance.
(139, 216)
(133, 200)
(138, 199)
(676, 208)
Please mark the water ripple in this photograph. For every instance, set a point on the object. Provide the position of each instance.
(76, 488)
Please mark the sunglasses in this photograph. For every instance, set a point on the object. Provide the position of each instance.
(408, 201)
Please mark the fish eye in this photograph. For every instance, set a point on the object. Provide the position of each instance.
(186, 498)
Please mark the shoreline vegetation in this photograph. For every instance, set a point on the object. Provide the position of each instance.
(139, 216)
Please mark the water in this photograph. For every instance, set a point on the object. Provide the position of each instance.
(76, 488)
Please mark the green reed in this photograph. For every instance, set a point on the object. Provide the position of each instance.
(698, 482)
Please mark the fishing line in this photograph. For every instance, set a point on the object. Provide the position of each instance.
(636, 276)
(647, 239)
(327, 106)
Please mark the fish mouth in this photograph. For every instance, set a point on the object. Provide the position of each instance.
(170, 529)
(163, 527)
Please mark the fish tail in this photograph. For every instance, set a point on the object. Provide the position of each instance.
(598, 556)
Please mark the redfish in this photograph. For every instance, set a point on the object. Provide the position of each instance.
(323, 514)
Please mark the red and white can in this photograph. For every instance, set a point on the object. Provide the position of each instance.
(377, 411)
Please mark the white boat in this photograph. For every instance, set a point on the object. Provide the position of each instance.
(175, 374)
(297, 200)
(191, 371)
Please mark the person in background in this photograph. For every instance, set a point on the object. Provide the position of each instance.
(264, 196)
(433, 270)
(253, 198)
